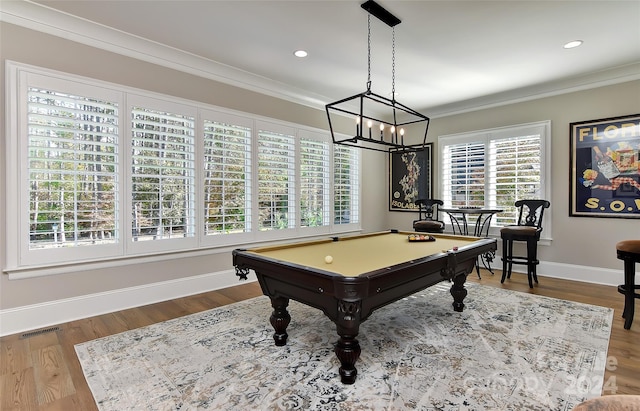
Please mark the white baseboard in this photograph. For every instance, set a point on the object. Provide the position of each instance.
(36, 316)
(585, 274)
(30, 317)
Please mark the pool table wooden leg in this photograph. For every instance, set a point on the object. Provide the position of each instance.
(347, 350)
(458, 292)
(280, 319)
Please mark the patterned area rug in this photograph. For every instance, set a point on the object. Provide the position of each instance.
(506, 351)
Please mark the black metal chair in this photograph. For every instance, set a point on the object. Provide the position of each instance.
(428, 219)
(629, 252)
(528, 229)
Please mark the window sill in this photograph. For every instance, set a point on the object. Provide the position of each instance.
(19, 273)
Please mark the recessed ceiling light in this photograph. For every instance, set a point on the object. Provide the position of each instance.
(573, 44)
(300, 53)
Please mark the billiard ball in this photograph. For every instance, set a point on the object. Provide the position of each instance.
(328, 259)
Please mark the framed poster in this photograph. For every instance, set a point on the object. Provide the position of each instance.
(605, 168)
(410, 177)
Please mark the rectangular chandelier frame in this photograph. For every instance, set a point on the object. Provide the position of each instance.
(373, 138)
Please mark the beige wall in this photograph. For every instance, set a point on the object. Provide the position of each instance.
(31, 47)
(581, 241)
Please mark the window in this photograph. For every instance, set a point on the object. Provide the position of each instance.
(64, 162)
(162, 174)
(495, 168)
(227, 176)
(72, 158)
(104, 172)
(314, 180)
(346, 171)
(276, 179)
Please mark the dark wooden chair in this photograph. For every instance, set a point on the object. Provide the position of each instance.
(428, 219)
(528, 229)
(629, 252)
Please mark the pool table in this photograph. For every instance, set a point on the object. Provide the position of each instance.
(363, 273)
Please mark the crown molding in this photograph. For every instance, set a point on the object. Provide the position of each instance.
(50, 21)
(616, 75)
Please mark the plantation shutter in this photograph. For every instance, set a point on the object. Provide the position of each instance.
(346, 166)
(495, 168)
(516, 166)
(276, 181)
(314, 180)
(100, 171)
(73, 167)
(227, 179)
(463, 174)
(163, 173)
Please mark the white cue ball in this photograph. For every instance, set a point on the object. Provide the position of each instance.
(328, 259)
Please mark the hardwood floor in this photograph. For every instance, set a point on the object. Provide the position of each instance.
(40, 371)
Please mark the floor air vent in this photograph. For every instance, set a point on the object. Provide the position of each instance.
(38, 332)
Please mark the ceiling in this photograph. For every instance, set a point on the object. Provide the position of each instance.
(450, 56)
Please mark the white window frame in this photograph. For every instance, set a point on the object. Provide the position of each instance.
(286, 131)
(19, 252)
(249, 234)
(327, 212)
(355, 208)
(22, 262)
(164, 245)
(485, 137)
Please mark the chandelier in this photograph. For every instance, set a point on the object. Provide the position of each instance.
(379, 122)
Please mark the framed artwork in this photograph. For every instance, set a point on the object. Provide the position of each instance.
(605, 168)
(410, 177)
